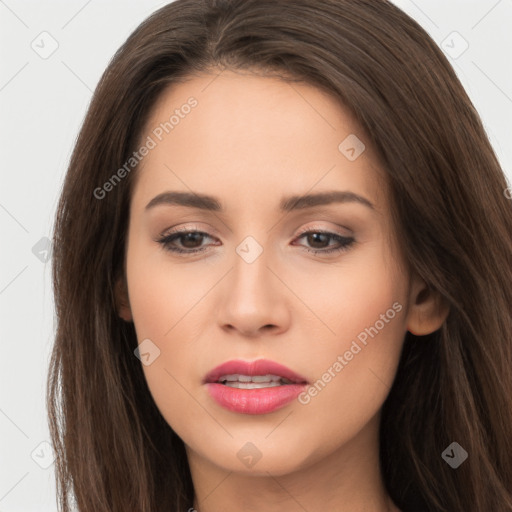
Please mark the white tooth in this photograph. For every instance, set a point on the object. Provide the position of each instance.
(231, 378)
(252, 385)
(261, 378)
(254, 378)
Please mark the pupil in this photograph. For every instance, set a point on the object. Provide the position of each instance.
(189, 237)
(315, 235)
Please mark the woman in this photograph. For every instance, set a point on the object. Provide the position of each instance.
(282, 267)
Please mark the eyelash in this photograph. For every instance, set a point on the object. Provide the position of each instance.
(346, 242)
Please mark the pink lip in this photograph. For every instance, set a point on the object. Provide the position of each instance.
(253, 401)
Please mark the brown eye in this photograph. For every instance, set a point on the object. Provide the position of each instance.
(191, 241)
(317, 239)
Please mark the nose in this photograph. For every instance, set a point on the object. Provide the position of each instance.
(254, 300)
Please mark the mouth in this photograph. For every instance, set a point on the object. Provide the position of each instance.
(253, 387)
(260, 373)
(254, 381)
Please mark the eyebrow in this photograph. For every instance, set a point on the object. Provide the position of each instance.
(287, 204)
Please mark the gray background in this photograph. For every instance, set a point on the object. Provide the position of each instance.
(43, 99)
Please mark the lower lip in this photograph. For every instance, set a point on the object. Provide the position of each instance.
(254, 401)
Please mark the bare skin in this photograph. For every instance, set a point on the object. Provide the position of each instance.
(250, 141)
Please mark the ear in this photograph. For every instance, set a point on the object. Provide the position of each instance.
(427, 308)
(122, 300)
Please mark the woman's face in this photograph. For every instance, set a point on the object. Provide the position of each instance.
(260, 147)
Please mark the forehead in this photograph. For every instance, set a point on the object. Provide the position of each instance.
(238, 134)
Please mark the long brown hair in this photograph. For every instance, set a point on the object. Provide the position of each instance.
(114, 451)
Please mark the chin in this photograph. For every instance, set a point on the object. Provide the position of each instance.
(260, 458)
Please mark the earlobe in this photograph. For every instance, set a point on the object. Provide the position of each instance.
(428, 310)
(122, 300)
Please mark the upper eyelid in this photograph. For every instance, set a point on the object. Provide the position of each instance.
(215, 232)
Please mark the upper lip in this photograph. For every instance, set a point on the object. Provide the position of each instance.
(251, 368)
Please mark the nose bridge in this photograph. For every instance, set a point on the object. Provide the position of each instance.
(251, 274)
(253, 298)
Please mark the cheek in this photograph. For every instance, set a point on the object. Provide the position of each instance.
(162, 293)
(349, 296)
(166, 302)
(355, 365)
